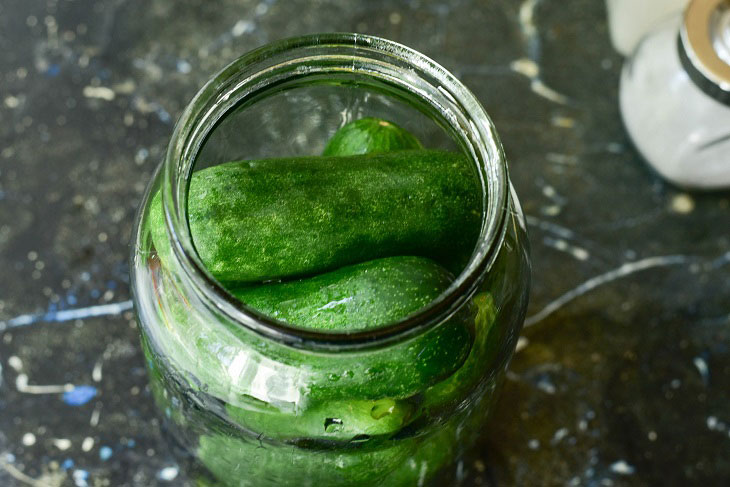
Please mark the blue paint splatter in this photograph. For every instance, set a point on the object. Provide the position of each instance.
(105, 453)
(80, 478)
(79, 395)
(67, 464)
(163, 115)
(131, 443)
(53, 70)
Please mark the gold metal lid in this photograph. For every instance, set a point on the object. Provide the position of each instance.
(704, 46)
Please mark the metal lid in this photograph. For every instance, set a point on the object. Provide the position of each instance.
(704, 46)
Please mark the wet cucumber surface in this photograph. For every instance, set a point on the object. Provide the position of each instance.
(357, 297)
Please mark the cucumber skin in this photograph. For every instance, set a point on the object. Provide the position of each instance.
(368, 136)
(253, 221)
(240, 462)
(355, 418)
(357, 297)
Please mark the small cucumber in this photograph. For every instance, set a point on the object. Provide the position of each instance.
(356, 297)
(343, 421)
(368, 136)
(261, 220)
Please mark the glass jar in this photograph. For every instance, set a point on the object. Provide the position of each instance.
(630, 20)
(257, 402)
(674, 97)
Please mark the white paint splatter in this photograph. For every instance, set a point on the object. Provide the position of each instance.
(539, 87)
(100, 92)
(559, 435)
(597, 281)
(12, 101)
(51, 479)
(550, 227)
(682, 204)
(62, 444)
(526, 67)
(15, 363)
(87, 444)
(68, 314)
(579, 253)
(242, 27)
(28, 439)
(546, 386)
(95, 415)
(563, 159)
(21, 383)
(80, 478)
(96, 373)
(168, 473)
(622, 468)
(702, 368)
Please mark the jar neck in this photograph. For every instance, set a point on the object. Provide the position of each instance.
(353, 58)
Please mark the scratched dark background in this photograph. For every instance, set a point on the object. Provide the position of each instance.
(623, 374)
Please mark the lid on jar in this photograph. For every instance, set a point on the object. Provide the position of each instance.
(704, 46)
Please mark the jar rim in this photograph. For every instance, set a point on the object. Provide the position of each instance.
(245, 77)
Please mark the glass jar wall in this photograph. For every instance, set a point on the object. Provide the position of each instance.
(259, 402)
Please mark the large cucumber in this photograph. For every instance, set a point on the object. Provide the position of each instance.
(243, 462)
(202, 352)
(269, 219)
(357, 297)
(368, 136)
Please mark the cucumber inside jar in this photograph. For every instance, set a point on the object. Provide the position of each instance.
(368, 136)
(363, 236)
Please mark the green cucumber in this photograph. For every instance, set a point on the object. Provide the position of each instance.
(368, 136)
(253, 221)
(243, 462)
(358, 297)
(344, 421)
(202, 351)
(482, 353)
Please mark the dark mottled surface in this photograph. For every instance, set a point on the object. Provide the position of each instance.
(623, 376)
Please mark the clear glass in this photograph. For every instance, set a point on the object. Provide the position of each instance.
(682, 132)
(630, 20)
(256, 402)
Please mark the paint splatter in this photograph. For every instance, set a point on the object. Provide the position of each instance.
(622, 468)
(168, 473)
(80, 478)
(105, 453)
(79, 395)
